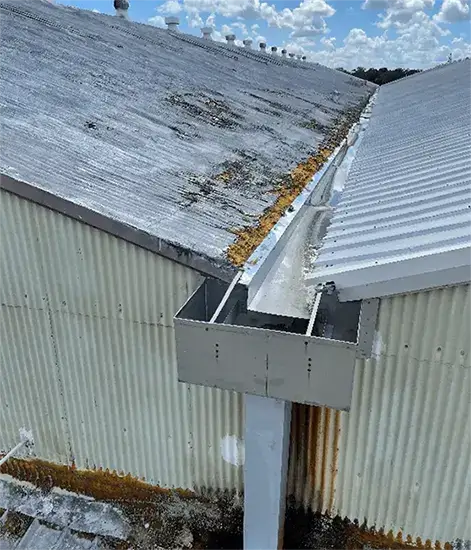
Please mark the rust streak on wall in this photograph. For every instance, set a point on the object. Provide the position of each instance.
(335, 461)
(313, 465)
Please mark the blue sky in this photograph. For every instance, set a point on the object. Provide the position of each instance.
(412, 33)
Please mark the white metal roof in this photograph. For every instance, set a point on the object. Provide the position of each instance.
(404, 220)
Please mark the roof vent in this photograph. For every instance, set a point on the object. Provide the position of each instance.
(304, 58)
(230, 39)
(274, 49)
(292, 55)
(121, 7)
(263, 46)
(284, 53)
(299, 56)
(172, 23)
(207, 32)
(248, 43)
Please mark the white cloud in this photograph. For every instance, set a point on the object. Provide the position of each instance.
(408, 5)
(193, 19)
(418, 43)
(242, 27)
(157, 21)
(453, 11)
(210, 20)
(328, 43)
(170, 7)
(412, 38)
(375, 4)
(400, 12)
(307, 19)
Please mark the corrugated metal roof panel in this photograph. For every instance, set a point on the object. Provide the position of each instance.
(175, 137)
(90, 362)
(407, 200)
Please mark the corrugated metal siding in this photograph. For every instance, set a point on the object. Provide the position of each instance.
(313, 463)
(408, 191)
(404, 448)
(90, 361)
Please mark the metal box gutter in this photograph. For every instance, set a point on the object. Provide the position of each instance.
(220, 343)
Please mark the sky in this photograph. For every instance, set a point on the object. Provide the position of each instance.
(337, 33)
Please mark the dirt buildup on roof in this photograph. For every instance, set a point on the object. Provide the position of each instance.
(206, 109)
(249, 237)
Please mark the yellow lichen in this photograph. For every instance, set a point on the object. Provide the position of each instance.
(248, 238)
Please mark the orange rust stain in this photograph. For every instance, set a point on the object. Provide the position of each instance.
(225, 176)
(325, 445)
(335, 460)
(100, 484)
(314, 454)
(359, 537)
(312, 451)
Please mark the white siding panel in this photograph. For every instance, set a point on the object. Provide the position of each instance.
(405, 445)
(30, 392)
(91, 317)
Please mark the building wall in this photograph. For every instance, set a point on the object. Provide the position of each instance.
(88, 358)
(400, 457)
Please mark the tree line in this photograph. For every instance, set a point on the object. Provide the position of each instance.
(380, 76)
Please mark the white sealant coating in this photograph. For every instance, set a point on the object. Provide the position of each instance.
(377, 343)
(233, 450)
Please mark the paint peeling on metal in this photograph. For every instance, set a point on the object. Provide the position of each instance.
(401, 457)
(377, 344)
(113, 399)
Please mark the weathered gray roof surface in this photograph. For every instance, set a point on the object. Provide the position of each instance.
(404, 220)
(177, 139)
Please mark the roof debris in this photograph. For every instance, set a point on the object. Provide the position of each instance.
(249, 237)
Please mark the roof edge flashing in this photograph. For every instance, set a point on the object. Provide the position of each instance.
(435, 270)
(133, 235)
